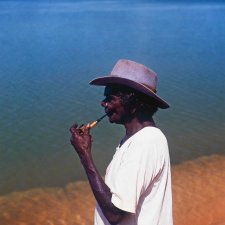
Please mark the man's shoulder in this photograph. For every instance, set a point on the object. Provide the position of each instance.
(149, 134)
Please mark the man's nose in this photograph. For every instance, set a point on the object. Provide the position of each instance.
(104, 103)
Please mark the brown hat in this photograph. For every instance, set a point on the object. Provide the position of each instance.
(133, 75)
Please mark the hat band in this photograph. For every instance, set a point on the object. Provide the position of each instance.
(150, 88)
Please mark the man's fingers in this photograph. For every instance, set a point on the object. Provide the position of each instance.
(86, 130)
(73, 128)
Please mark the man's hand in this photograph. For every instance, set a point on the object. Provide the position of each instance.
(81, 141)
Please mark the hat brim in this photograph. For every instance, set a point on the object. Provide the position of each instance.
(107, 80)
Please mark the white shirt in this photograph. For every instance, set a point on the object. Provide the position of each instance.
(140, 181)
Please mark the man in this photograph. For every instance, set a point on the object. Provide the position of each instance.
(137, 185)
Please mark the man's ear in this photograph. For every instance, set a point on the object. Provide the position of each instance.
(133, 110)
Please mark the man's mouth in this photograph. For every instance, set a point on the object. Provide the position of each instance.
(108, 112)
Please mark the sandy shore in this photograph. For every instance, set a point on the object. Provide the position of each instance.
(198, 199)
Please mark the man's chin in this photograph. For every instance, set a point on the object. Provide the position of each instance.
(111, 119)
(115, 121)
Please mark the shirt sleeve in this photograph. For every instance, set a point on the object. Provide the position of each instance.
(140, 165)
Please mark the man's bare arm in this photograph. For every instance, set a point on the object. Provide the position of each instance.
(82, 145)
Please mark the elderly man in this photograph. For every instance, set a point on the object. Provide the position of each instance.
(137, 185)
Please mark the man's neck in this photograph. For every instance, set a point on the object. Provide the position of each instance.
(135, 125)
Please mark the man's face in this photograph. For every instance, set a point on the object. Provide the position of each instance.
(113, 106)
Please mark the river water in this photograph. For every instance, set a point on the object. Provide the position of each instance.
(51, 50)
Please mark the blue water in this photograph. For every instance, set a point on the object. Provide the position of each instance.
(50, 51)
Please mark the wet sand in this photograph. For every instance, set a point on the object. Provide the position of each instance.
(198, 199)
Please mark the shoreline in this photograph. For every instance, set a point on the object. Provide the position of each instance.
(198, 198)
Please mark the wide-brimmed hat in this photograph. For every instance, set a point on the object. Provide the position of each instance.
(133, 75)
